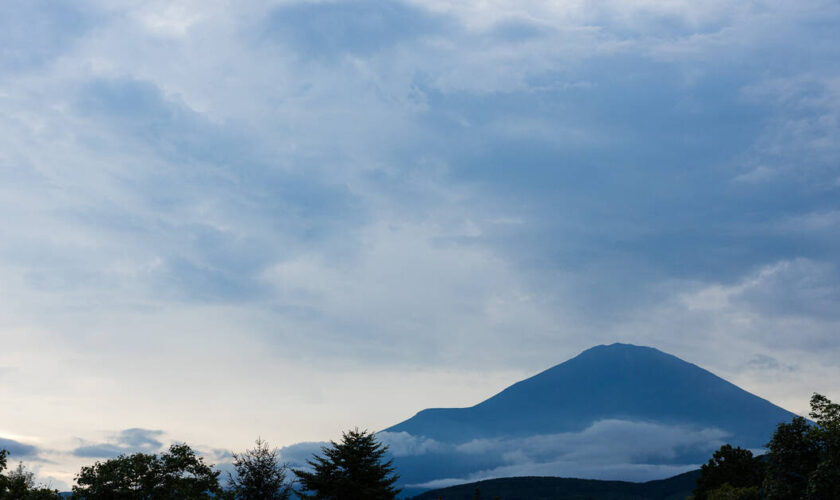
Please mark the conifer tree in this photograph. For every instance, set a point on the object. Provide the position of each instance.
(353, 469)
(259, 475)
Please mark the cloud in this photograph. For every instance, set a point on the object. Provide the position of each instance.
(607, 449)
(764, 362)
(34, 33)
(326, 29)
(402, 444)
(125, 442)
(316, 191)
(297, 454)
(18, 450)
(800, 287)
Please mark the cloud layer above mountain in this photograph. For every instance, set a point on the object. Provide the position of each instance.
(233, 215)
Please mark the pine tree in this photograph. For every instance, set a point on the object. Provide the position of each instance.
(354, 469)
(259, 475)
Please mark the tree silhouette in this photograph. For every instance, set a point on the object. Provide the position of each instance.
(793, 454)
(734, 467)
(178, 474)
(353, 469)
(259, 475)
(19, 484)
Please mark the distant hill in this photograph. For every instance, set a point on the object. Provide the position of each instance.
(617, 411)
(557, 488)
(618, 381)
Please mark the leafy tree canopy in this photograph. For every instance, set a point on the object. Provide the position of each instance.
(804, 459)
(734, 467)
(353, 469)
(729, 492)
(177, 474)
(20, 484)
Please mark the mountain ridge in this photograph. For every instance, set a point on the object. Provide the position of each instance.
(616, 381)
(560, 488)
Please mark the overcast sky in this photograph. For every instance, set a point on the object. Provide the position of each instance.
(230, 219)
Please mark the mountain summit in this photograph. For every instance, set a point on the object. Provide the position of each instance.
(617, 412)
(619, 381)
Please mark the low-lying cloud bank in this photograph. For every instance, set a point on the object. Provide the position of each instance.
(607, 449)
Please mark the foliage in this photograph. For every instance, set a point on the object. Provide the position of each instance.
(793, 454)
(177, 474)
(259, 475)
(728, 492)
(824, 481)
(3, 480)
(20, 484)
(734, 467)
(804, 459)
(350, 470)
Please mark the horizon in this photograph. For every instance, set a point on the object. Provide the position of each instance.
(224, 220)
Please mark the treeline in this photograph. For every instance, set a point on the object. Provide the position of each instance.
(19, 483)
(354, 468)
(802, 462)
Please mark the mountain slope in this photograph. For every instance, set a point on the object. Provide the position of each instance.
(557, 488)
(617, 381)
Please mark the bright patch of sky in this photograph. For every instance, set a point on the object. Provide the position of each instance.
(230, 219)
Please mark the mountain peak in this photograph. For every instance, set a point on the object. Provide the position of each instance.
(615, 381)
(619, 347)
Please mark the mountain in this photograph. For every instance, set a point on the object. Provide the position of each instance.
(618, 412)
(618, 381)
(560, 488)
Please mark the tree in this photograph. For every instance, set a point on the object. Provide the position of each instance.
(177, 474)
(351, 470)
(259, 475)
(20, 483)
(4, 482)
(729, 492)
(734, 467)
(804, 459)
(793, 455)
(824, 481)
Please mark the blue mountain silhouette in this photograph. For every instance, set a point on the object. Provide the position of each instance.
(618, 381)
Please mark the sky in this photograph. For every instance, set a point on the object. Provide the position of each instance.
(231, 219)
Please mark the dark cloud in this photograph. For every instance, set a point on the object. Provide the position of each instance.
(518, 30)
(34, 33)
(763, 362)
(18, 450)
(328, 29)
(140, 438)
(128, 441)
